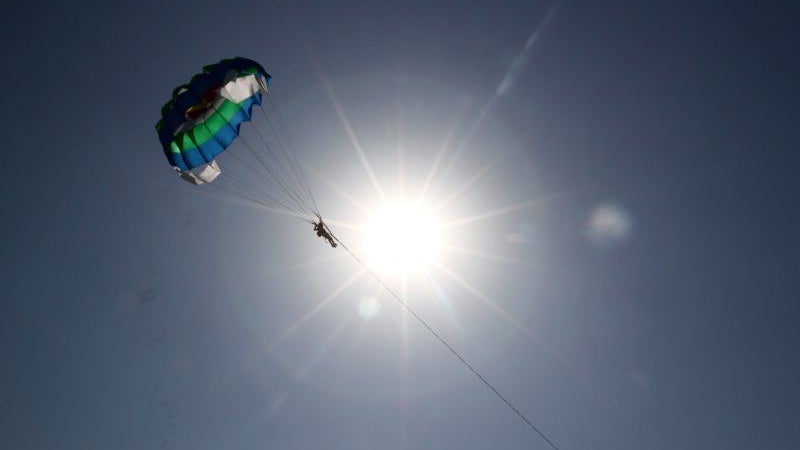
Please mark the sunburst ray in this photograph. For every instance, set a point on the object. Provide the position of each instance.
(354, 140)
(336, 188)
(401, 184)
(442, 150)
(334, 222)
(306, 368)
(314, 261)
(492, 213)
(484, 298)
(507, 209)
(318, 307)
(487, 255)
(443, 306)
(466, 185)
(504, 85)
(541, 342)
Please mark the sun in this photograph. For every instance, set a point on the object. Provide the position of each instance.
(402, 239)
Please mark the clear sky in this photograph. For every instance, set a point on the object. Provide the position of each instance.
(621, 261)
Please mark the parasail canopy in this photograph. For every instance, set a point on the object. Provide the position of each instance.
(204, 118)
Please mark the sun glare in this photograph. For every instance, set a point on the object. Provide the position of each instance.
(402, 239)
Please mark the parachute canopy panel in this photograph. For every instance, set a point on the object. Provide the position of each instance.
(201, 174)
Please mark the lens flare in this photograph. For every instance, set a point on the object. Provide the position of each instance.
(369, 307)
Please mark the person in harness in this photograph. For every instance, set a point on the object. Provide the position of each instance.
(322, 231)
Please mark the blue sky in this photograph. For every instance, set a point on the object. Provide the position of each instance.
(641, 293)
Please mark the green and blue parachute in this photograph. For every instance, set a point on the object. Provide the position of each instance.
(203, 117)
(203, 120)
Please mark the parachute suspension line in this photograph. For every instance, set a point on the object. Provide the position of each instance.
(246, 198)
(286, 161)
(251, 191)
(292, 165)
(266, 201)
(444, 342)
(289, 152)
(249, 194)
(277, 181)
(290, 146)
(286, 190)
(269, 181)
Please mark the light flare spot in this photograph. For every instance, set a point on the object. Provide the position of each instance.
(525, 234)
(608, 224)
(369, 307)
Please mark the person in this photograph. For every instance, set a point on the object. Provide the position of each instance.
(322, 232)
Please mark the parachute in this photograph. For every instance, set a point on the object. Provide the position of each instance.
(203, 122)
